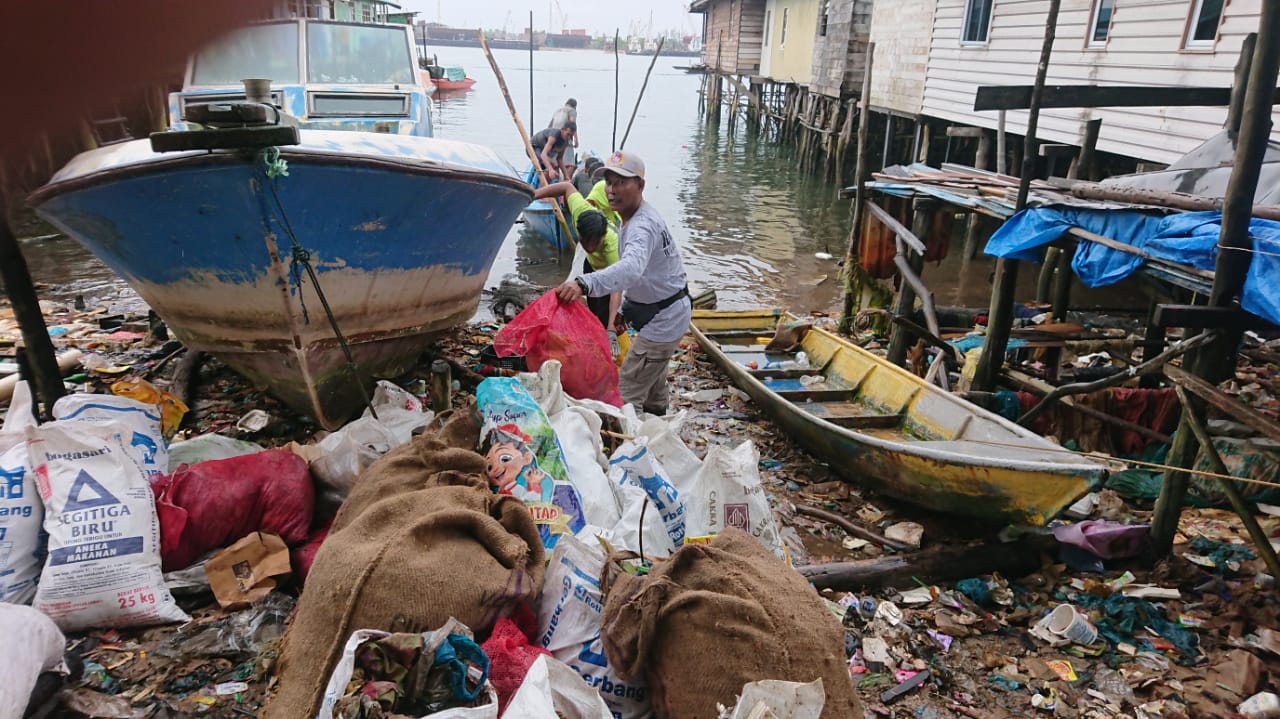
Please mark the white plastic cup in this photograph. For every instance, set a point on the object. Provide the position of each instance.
(1068, 622)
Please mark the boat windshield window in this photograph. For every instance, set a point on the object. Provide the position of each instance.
(257, 51)
(358, 54)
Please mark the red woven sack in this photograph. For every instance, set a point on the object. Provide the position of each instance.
(211, 504)
(301, 556)
(510, 656)
(566, 331)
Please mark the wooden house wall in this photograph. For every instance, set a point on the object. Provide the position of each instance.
(721, 41)
(831, 51)
(902, 31)
(840, 55)
(1144, 48)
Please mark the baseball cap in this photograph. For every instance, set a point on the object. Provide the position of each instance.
(627, 164)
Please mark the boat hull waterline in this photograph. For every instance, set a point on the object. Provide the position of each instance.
(400, 230)
(926, 446)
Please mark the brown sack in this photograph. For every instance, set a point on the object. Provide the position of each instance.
(716, 616)
(446, 446)
(440, 544)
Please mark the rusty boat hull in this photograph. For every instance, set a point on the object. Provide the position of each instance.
(401, 232)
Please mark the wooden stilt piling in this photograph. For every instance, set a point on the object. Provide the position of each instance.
(859, 197)
(43, 362)
(1000, 318)
(1217, 361)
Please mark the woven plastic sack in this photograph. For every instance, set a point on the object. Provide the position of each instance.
(212, 504)
(566, 331)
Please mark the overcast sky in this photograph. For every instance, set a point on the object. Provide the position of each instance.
(599, 17)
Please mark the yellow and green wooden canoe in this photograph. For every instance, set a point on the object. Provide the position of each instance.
(884, 428)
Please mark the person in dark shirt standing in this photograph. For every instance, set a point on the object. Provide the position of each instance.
(567, 113)
(549, 144)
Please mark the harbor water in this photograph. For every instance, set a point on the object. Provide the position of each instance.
(751, 224)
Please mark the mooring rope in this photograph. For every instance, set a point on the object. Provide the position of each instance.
(1134, 462)
(273, 166)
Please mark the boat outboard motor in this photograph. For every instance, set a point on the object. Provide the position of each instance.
(254, 123)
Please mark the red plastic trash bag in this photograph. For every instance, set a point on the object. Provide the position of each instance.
(212, 504)
(566, 331)
(510, 655)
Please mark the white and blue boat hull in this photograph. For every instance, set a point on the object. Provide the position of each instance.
(401, 231)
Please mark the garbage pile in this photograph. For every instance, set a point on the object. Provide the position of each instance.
(528, 554)
(492, 559)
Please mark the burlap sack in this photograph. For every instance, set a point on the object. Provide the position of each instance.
(716, 616)
(438, 544)
(447, 445)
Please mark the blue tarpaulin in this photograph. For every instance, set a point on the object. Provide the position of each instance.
(1188, 238)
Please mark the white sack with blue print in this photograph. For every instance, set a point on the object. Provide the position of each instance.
(143, 420)
(569, 622)
(22, 537)
(103, 568)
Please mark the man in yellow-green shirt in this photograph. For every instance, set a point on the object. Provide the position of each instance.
(597, 233)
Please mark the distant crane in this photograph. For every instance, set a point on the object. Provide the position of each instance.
(561, 15)
(506, 23)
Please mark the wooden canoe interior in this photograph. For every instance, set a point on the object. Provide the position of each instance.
(854, 389)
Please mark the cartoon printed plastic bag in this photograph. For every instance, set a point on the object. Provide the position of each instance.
(524, 458)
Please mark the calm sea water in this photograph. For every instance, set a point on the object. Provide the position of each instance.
(747, 220)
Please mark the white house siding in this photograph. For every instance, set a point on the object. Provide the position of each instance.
(902, 31)
(1144, 49)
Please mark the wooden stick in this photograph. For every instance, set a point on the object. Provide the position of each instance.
(1260, 540)
(1217, 361)
(1000, 318)
(515, 117)
(640, 97)
(1176, 200)
(851, 528)
(46, 375)
(1015, 559)
(1152, 365)
(892, 223)
(1223, 402)
(859, 196)
(183, 383)
(613, 140)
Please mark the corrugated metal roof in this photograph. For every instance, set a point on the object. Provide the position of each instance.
(1206, 171)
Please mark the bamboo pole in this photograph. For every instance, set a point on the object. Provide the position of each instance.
(1260, 540)
(1000, 318)
(531, 117)
(617, 69)
(528, 146)
(634, 110)
(1216, 362)
(859, 196)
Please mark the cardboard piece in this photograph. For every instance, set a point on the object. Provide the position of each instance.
(1242, 673)
(247, 570)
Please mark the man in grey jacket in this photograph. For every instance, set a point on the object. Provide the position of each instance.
(651, 277)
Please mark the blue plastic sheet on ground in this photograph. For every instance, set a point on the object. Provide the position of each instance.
(1189, 238)
(969, 342)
